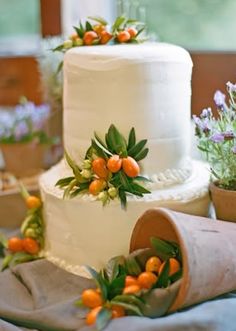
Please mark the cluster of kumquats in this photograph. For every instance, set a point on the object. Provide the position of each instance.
(121, 294)
(27, 246)
(123, 30)
(110, 169)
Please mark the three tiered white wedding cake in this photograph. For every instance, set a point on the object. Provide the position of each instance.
(147, 87)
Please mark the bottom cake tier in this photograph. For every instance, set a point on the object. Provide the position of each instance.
(82, 232)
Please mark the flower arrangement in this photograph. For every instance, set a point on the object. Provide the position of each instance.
(217, 138)
(28, 245)
(110, 169)
(123, 30)
(24, 124)
(127, 285)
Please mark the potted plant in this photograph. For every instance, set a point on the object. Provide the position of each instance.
(23, 138)
(217, 140)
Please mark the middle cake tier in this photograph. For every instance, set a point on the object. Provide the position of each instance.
(81, 231)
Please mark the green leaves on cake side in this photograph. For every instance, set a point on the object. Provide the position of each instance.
(110, 168)
(145, 283)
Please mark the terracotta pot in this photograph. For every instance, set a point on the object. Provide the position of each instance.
(208, 252)
(224, 202)
(23, 159)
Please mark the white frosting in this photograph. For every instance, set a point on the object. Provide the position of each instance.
(81, 232)
(145, 86)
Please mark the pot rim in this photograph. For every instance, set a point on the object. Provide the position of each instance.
(214, 187)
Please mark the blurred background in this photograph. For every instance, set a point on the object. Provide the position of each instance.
(205, 27)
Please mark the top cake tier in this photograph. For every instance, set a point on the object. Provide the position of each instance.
(145, 86)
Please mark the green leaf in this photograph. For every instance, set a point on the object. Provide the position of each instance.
(58, 48)
(97, 149)
(134, 21)
(74, 167)
(123, 198)
(59, 67)
(132, 139)
(100, 281)
(140, 31)
(128, 306)
(64, 181)
(80, 31)
(135, 150)
(103, 318)
(98, 19)
(132, 266)
(3, 240)
(164, 249)
(118, 22)
(69, 188)
(143, 179)
(139, 189)
(112, 267)
(82, 187)
(101, 144)
(140, 156)
(6, 261)
(88, 26)
(117, 141)
(176, 276)
(130, 299)
(116, 286)
(108, 144)
(21, 257)
(124, 181)
(163, 279)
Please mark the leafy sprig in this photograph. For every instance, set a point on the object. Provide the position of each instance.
(111, 282)
(116, 184)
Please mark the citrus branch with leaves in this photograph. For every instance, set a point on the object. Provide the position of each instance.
(110, 168)
(133, 285)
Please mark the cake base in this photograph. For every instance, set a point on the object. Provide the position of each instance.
(82, 232)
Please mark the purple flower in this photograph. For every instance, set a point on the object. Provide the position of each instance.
(202, 124)
(231, 87)
(234, 149)
(219, 99)
(217, 137)
(206, 113)
(21, 130)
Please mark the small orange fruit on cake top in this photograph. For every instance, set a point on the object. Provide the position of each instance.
(96, 186)
(130, 280)
(33, 202)
(133, 32)
(114, 163)
(99, 28)
(153, 264)
(91, 298)
(117, 311)
(92, 315)
(105, 37)
(99, 167)
(174, 266)
(15, 244)
(147, 279)
(130, 167)
(90, 37)
(31, 246)
(132, 289)
(73, 36)
(123, 36)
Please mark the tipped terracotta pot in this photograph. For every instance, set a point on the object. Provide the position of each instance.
(208, 252)
(23, 159)
(224, 202)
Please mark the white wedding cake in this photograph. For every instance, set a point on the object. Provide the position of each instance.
(147, 87)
